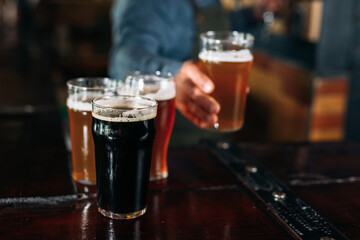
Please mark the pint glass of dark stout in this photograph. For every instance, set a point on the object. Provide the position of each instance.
(161, 87)
(123, 130)
(227, 58)
(80, 93)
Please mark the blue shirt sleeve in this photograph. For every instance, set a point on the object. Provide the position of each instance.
(152, 35)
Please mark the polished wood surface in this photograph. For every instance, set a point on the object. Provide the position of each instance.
(34, 158)
(199, 200)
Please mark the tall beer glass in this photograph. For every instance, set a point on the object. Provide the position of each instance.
(80, 93)
(161, 87)
(123, 131)
(226, 57)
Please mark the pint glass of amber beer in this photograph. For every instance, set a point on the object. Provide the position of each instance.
(161, 87)
(226, 57)
(123, 131)
(80, 93)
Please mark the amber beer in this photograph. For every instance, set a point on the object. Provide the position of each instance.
(80, 93)
(160, 87)
(82, 153)
(228, 66)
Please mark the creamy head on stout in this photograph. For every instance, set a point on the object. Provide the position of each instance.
(111, 111)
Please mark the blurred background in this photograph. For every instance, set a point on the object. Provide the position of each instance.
(305, 81)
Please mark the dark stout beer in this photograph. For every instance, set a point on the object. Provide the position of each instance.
(123, 133)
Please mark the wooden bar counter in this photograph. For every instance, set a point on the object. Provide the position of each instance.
(200, 199)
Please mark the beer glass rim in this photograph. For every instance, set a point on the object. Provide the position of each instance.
(148, 100)
(149, 77)
(224, 36)
(154, 85)
(76, 83)
(146, 73)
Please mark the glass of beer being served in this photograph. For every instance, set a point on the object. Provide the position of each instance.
(161, 87)
(80, 93)
(226, 58)
(123, 131)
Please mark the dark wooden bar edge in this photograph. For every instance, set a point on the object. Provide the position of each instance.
(200, 199)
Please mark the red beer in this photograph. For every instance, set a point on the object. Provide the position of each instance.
(161, 88)
(164, 125)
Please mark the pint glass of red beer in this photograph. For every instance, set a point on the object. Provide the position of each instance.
(160, 87)
(227, 58)
(80, 93)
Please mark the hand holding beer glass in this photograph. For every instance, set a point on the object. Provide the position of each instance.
(226, 58)
(160, 87)
(80, 93)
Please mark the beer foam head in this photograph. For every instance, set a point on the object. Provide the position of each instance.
(165, 91)
(227, 56)
(78, 106)
(124, 109)
(81, 91)
(81, 101)
(156, 86)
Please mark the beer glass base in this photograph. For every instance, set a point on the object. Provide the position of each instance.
(216, 128)
(85, 182)
(122, 216)
(85, 188)
(159, 176)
